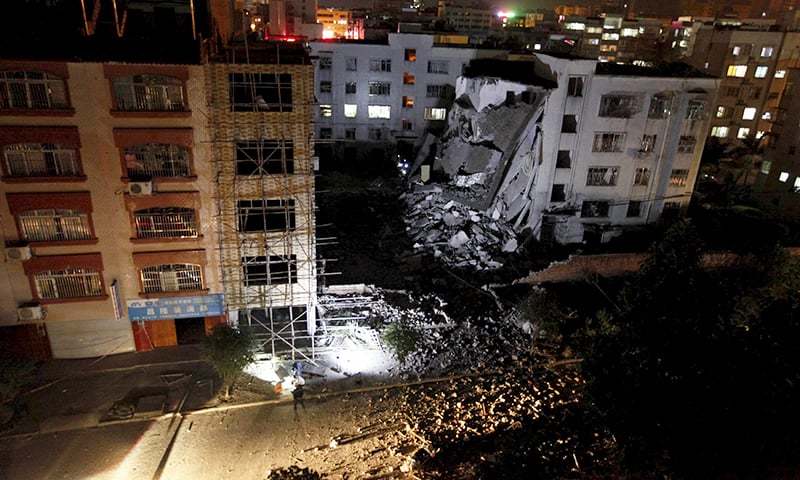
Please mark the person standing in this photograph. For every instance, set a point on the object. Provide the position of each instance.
(299, 384)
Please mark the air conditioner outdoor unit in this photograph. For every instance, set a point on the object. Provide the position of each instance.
(30, 313)
(140, 188)
(18, 253)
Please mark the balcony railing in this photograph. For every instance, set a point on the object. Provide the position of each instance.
(40, 160)
(149, 93)
(32, 90)
(54, 225)
(165, 223)
(172, 278)
(157, 160)
(70, 283)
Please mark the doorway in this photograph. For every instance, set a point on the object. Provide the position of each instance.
(190, 331)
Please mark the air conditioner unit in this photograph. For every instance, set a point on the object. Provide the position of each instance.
(140, 188)
(18, 253)
(30, 313)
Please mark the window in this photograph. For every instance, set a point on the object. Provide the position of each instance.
(695, 110)
(749, 113)
(379, 111)
(766, 116)
(602, 176)
(594, 208)
(379, 88)
(766, 52)
(350, 88)
(736, 50)
(569, 124)
(559, 193)
(150, 160)
(766, 166)
(33, 90)
(350, 110)
(375, 134)
(780, 73)
(575, 87)
(608, 142)
(264, 157)
(349, 133)
(270, 92)
(672, 208)
(719, 132)
(438, 66)
(148, 93)
(641, 177)
(594, 29)
(41, 160)
(165, 223)
(325, 86)
(411, 55)
(659, 106)
(380, 65)
(759, 134)
(634, 209)
(738, 71)
(325, 110)
(630, 32)
(594, 41)
(409, 79)
(686, 144)
(408, 125)
(433, 113)
(722, 112)
(619, 106)
(731, 91)
(648, 143)
(325, 63)
(783, 177)
(351, 64)
(678, 178)
(563, 159)
(743, 133)
(266, 215)
(436, 91)
(761, 71)
(54, 225)
(271, 270)
(753, 92)
(68, 283)
(173, 277)
(609, 36)
(408, 102)
(325, 133)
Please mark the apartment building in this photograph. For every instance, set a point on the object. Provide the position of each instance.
(612, 38)
(576, 150)
(752, 66)
(467, 15)
(376, 93)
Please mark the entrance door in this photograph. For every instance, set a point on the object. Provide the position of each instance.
(190, 330)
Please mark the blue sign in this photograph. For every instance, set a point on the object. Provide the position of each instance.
(175, 307)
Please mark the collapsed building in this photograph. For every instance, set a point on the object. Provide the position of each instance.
(572, 149)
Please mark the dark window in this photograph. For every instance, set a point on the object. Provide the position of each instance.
(325, 133)
(259, 157)
(563, 160)
(634, 209)
(266, 92)
(791, 150)
(350, 87)
(594, 208)
(272, 270)
(569, 124)
(575, 87)
(325, 63)
(266, 215)
(350, 133)
(559, 193)
(511, 97)
(325, 86)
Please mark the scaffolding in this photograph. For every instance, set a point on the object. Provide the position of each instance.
(262, 151)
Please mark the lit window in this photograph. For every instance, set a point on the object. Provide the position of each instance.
(594, 41)
(743, 133)
(761, 71)
(574, 26)
(738, 71)
(41, 160)
(766, 52)
(537, 46)
(35, 90)
(796, 183)
(379, 111)
(630, 32)
(766, 165)
(594, 29)
(719, 132)
(54, 225)
(721, 111)
(783, 176)
(171, 277)
(411, 54)
(760, 134)
(350, 110)
(435, 113)
(736, 50)
(610, 36)
(749, 113)
(68, 283)
(325, 111)
(766, 116)
(149, 93)
(408, 102)
(409, 79)
(780, 73)
(678, 178)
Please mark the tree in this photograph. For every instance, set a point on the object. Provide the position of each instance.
(401, 338)
(230, 351)
(15, 373)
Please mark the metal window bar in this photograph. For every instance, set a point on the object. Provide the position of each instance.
(264, 157)
(678, 178)
(34, 90)
(171, 278)
(604, 177)
(165, 223)
(149, 93)
(686, 144)
(68, 283)
(260, 92)
(642, 177)
(54, 225)
(40, 160)
(157, 160)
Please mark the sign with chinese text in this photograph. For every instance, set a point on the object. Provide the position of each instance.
(175, 307)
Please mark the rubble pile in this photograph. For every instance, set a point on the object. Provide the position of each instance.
(293, 473)
(457, 234)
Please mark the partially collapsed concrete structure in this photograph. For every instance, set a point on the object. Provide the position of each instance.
(572, 149)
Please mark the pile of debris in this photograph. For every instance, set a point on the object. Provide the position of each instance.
(455, 233)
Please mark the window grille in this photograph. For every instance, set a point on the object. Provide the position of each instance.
(68, 283)
(608, 142)
(165, 223)
(438, 66)
(678, 178)
(173, 277)
(265, 157)
(150, 160)
(696, 110)
(659, 106)
(149, 93)
(686, 144)
(54, 225)
(41, 160)
(594, 208)
(380, 88)
(272, 270)
(380, 65)
(619, 106)
(602, 176)
(641, 177)
(436, 91)
(34, 90)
